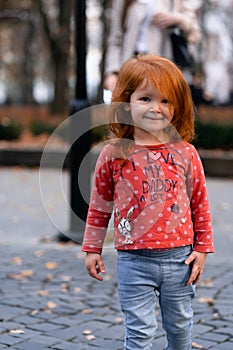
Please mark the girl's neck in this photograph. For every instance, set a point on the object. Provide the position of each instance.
(152, 140)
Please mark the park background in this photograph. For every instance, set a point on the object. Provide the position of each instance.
(47, 63)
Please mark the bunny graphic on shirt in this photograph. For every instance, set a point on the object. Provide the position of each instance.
(125, 226)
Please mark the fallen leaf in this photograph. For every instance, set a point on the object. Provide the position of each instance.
(90, 337)
(16, 331)
(206, 300)
(51, 305)
(197, 346)
(51, 265)
(16, 260)
(86, 311)
(47, 311)
(27, 273)
(35, 312)
(14, 276)
(43, 292)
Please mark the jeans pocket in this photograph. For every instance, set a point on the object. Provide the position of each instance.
(126, 255)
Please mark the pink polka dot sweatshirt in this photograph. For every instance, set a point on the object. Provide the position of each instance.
(158, 196)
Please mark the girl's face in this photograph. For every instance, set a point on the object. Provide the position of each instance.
(151, 113)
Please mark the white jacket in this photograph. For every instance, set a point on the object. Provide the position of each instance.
(122, 44)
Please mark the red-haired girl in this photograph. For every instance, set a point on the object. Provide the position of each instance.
(152, 178)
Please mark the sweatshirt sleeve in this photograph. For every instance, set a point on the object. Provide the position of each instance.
(101, 204)
(200, 208)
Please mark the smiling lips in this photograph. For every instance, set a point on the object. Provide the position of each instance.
(153, 118)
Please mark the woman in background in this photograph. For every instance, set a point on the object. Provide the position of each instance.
(143, 26)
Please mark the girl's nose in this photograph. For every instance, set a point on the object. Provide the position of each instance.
(156, 108)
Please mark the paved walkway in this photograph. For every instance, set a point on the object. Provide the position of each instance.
(47, 301)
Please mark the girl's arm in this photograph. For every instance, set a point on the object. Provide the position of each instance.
(101, 204)
(203, 236)
(199, 204)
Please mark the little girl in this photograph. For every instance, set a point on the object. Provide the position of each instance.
(153, 180)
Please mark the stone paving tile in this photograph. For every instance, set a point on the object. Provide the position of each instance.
(9, 340)
(29, 345)
(218, 338)
(203, 343)
(69, 346)
(223, 346)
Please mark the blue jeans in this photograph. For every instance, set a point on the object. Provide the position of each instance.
(147, 276)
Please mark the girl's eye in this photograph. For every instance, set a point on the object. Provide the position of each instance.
(164, 100)
(144, 98)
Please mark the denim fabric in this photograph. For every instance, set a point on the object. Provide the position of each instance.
(145, 277)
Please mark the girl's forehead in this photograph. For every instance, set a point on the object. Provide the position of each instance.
(148, 85)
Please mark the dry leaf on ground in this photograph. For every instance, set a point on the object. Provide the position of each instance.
(27, 273)
(43, 293)
(206, 300)
(90, 337)
(50, 265)
(197, 346)
(16, 260)
(51, 305)
(16, 331)
(86, 311)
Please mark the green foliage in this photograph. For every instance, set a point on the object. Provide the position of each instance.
(38, 127)
(99, 133)
(213, 135)
(10, 129)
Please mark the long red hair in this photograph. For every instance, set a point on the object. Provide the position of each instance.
(167, 78)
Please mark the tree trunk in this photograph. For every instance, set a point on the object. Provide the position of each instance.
(59, 42)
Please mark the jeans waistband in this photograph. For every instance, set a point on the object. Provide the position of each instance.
(153, 253)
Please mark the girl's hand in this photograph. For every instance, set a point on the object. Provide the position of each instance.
(198, 262)
(165, 20)
(94, 265)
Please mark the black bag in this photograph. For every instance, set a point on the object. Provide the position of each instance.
(181, 55)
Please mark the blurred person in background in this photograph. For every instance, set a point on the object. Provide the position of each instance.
(217, 49)
(199, 95)
(140, 26)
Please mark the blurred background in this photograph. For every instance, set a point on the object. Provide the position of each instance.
(38, 65)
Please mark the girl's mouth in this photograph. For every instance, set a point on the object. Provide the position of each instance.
(152, 117)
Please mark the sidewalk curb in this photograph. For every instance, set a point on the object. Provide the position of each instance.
(215, 164)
